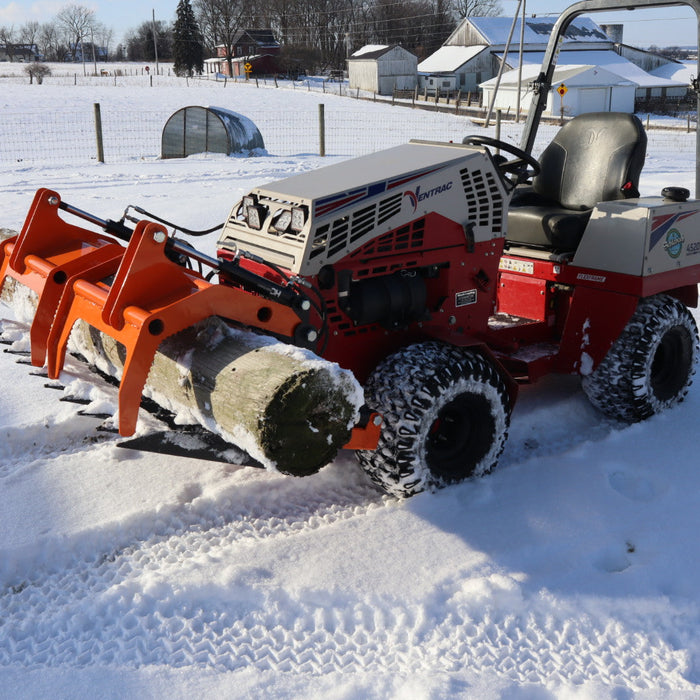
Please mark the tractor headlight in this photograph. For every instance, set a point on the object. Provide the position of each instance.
(255, 215)
(282, 220)
(298, 219)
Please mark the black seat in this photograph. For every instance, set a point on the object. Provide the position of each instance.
(595, 157)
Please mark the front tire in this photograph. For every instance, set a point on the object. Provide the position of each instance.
(650, 366)
(446, 415)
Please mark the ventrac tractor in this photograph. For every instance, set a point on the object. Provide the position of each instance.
(444, 276)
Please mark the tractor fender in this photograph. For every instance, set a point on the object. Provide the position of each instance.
(595, 320)
(473, 343)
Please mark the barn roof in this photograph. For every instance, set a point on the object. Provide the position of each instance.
(373, 51)
(608, 60)
(448, 59)
(495, 30)
(562, 74)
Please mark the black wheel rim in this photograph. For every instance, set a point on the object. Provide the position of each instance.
(460, 437)
(670, 367)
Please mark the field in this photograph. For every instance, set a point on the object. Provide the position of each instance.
(570, 572)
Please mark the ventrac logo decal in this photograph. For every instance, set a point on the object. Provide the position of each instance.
(340, 201)
(666, 228)
(674, 243)
(420, 194)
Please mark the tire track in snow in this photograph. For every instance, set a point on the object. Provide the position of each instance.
(57, 624)
(127, 607)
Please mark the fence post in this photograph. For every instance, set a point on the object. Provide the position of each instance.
(321, 130)
(499, 114)
(98, 133)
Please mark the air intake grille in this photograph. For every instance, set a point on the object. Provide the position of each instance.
(345, 232)
(484, 199)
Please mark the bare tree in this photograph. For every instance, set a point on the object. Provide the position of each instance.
(477, 8)
(77, 21)
(38, 71)
(49, 42)
(28, 33)
(220, 21)
(103, 36)
(7, 37)
(139, 42)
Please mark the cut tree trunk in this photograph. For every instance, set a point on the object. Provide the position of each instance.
(286, 407)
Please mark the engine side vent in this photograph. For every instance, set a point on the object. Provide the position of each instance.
(389, 207)
(409, 237)
(347, 230)
(339, 235)
(484, 199)
(362, 222)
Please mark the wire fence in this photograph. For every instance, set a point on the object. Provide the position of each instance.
(352, 128)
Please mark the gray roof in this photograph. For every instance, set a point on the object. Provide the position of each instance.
(495, 30)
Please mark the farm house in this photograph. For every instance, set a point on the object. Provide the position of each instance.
(382, 69)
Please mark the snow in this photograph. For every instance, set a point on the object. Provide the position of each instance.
(448, 59)
(608, 60)
(369, 48)
(495, 30)
(574, 75)
(682, 72)
(570, 572)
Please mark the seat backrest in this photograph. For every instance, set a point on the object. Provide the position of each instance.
(591, 158)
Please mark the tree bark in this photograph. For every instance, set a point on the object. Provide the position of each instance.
(286, 407)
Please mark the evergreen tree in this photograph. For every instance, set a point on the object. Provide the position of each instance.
(188, 49)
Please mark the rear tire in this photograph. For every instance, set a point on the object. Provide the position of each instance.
(650, 366)
(446, 415)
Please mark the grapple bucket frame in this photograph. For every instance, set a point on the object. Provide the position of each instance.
(134, 294)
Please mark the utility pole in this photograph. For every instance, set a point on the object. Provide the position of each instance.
(520, 65)
(502, 66)
(155, 39)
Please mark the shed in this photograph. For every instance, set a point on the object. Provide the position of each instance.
(588, 88)
(208, 130)
(381, 69)
(455, 67)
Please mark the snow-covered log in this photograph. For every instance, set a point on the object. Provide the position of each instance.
(285, 406)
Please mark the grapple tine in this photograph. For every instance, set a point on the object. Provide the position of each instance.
(45, 255)
(149, 299)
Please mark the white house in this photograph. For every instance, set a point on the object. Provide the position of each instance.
(381, 69)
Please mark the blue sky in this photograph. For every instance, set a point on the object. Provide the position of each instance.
(661, 27)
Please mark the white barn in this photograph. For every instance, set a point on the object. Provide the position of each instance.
(381, 69)
(655, 84)
(586, 88)
(473, 53)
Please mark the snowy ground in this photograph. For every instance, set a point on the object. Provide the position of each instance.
(570, 572)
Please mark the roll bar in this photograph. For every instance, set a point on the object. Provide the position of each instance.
(544, 80)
